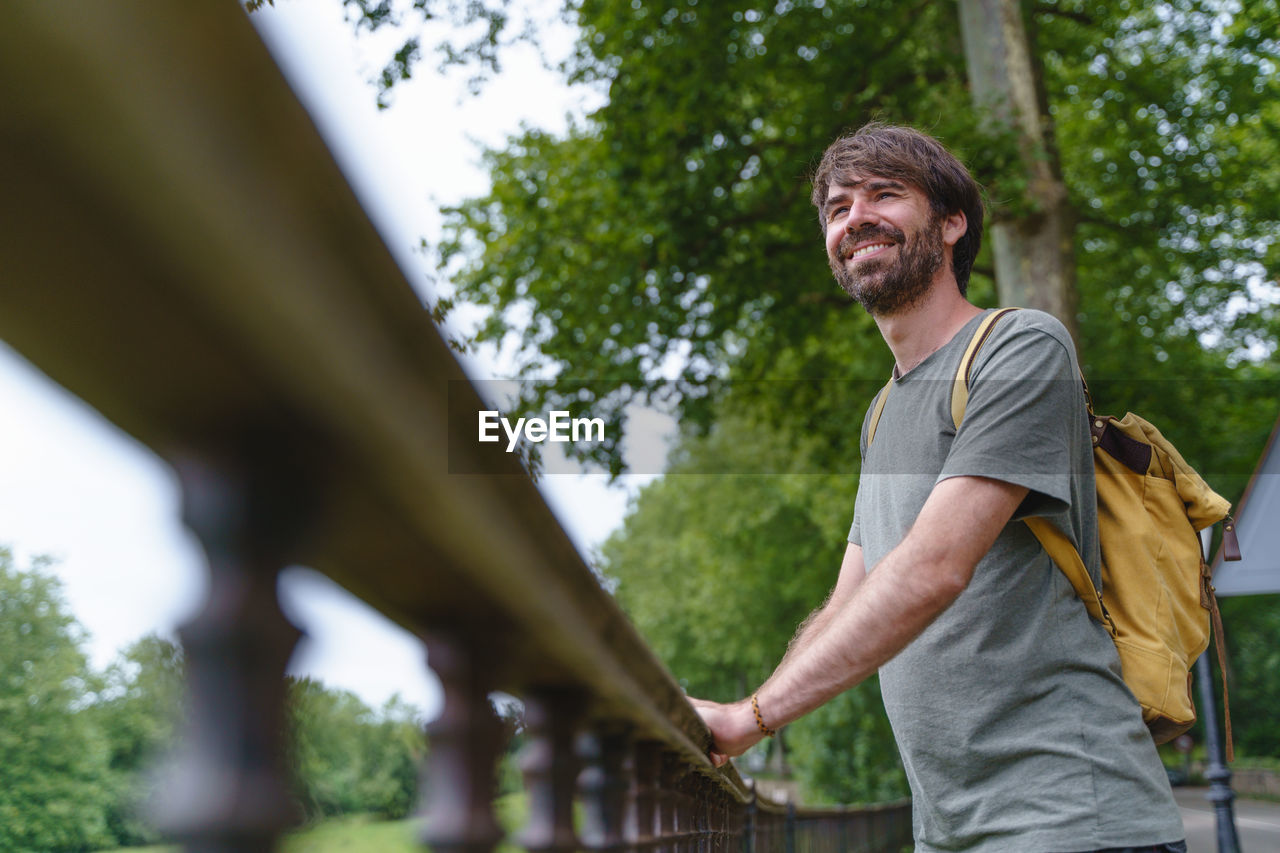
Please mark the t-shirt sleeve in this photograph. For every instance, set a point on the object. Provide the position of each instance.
(1024, 419)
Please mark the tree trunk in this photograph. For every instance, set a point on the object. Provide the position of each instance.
(1034, 252)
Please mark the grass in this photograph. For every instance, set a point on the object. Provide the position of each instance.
(355, 833)
(365, 834)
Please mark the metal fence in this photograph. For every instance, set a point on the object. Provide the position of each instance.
(180, 250)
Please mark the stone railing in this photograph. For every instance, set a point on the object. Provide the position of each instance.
(180, 250)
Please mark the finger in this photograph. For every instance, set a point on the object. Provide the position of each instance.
(718, 759)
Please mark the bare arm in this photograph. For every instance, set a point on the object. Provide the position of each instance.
(905, 592)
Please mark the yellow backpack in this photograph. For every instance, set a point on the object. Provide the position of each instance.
(1160, 604)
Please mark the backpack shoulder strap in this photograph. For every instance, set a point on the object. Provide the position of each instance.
(960, 388)
(1068, 560)
(874, 418)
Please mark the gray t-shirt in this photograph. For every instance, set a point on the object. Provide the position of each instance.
(1015, 728)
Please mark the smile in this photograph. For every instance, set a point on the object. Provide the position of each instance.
(867, 250)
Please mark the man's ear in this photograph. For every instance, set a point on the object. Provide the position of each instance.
(954, 226)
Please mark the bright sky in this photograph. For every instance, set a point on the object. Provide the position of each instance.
(75, 487)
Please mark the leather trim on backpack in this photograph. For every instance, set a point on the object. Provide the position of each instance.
(1130, 452)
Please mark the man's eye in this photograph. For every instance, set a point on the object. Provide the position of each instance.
(837, 212)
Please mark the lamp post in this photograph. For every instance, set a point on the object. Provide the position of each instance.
(1219, 775)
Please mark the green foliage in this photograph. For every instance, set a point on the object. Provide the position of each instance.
(353, 834)
(1252, 626)
(671, 233)
(720, 560)
(478, 30)
(845, 752)
(137, 713)
(77, 750)
(349, 759)
(1167, 124)
(53, 762)
(1166, 118)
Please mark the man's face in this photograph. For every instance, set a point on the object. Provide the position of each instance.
(884, 243)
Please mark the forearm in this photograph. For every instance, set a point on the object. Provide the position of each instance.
(828, 655)
(845, 646)
(909, 588)
(870, 617)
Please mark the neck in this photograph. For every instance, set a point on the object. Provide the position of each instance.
(921, 330)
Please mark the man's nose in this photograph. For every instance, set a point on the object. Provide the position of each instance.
(861, 214)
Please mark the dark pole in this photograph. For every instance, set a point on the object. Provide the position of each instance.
(1219, 776)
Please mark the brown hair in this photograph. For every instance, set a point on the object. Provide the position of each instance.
(906, 154)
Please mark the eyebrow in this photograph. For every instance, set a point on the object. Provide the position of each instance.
(872, 184)
(885, 184)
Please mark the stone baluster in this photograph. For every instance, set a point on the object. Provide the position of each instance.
(748, 822)
(666, 816)
(684, 829)
(738, 825)
(465, 743)
(604, 784)
(641, 821)
(722, 820)
(228, 787)
(700, 806)
(550, 769)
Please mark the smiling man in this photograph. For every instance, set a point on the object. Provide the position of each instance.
(1015, 729)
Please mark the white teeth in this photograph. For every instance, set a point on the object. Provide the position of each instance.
(866, 250)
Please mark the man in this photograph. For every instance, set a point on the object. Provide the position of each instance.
(1015, 728)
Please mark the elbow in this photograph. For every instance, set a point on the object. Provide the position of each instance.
(940, 569)
(951, 580)
(946, 577)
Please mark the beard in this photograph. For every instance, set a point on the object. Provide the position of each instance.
(888, 286)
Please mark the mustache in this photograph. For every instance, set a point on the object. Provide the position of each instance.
(853, 238)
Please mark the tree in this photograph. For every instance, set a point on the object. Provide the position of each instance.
(137, 712)
(1129, 147)
(845, 752)
(480, 30)
(670, 232)
(1034, 252)
(1253, 639)
(719, 561)
(347, 758)
(53, 762)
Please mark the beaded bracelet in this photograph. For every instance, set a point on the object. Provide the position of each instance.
(755, 707)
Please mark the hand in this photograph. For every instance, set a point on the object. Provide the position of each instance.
(733, 727)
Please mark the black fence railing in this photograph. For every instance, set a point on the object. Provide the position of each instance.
(180, 250)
